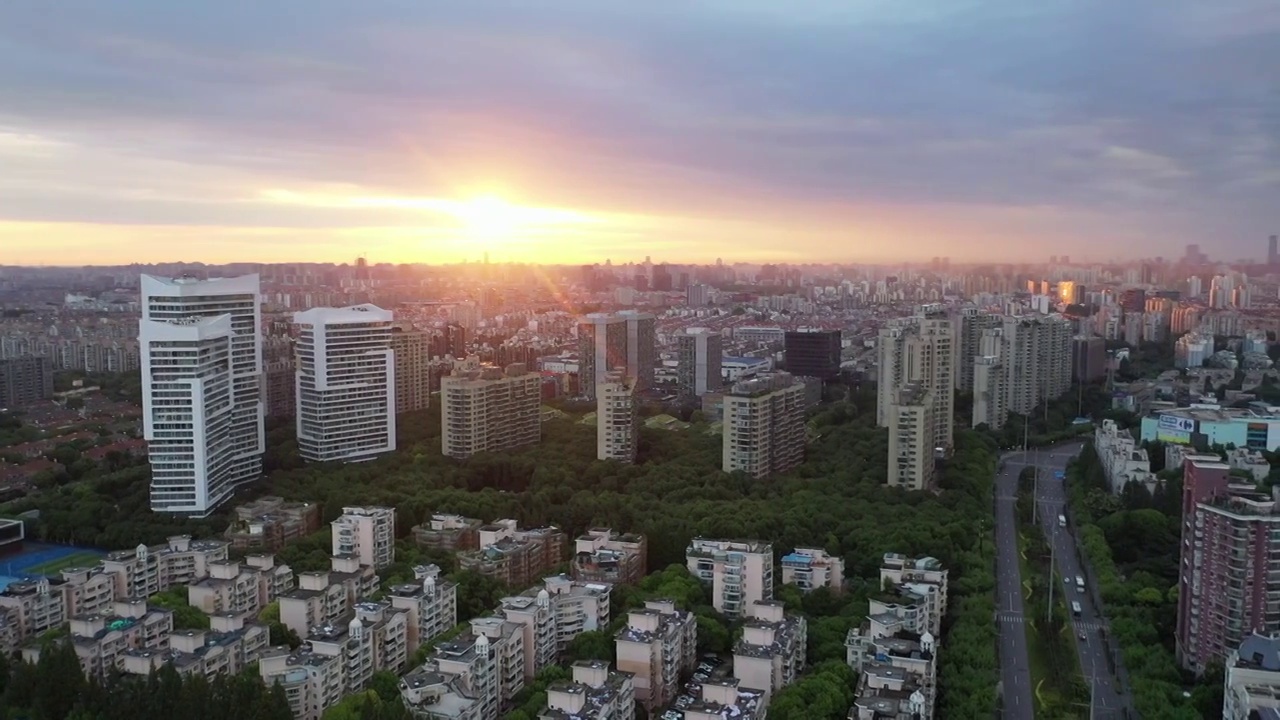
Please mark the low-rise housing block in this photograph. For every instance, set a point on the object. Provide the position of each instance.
(512, 556)
(595, 693)
(603, 555)
(657, 645)
(740, 572)
(771, 653)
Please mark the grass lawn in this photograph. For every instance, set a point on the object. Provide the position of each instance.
(79, 559)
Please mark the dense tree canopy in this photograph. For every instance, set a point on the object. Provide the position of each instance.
(1131, 544)
(56, 689)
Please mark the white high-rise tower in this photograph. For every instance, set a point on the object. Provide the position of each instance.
(201, 352)
(346, 383)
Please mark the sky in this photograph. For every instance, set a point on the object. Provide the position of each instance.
(579, 130)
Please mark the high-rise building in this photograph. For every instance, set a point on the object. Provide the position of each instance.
(989, 392)
(484, 409)
(621, 341)
(1036, 354)
(25, 381)
(972, 322)
(1088, 358)
(739, 572)
(700, 354)
(812, 353)
(764, 431)
(919, 350)
(642, 346)
(1195, 286)
(697, 295)
(1273, 251)
(368, 534)
(1192, 350)
(1226, 576)
(617, 418)
(455, 340)
(602, 346)
(202, 402)
(281, 385)
(412, 350)
(346, 384)
(912, 432)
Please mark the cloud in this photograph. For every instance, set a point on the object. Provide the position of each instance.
(785, 118)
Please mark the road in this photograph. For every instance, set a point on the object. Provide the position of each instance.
(1015, 670)
(1109, 698)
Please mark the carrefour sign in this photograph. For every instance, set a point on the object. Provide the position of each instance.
(1173, 423)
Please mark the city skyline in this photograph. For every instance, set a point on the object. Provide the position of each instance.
(567, 133)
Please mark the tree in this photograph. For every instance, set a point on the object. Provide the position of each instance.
(591, 645)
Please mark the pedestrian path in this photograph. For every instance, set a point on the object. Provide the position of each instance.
(1012, 617)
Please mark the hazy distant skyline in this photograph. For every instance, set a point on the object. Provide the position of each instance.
(571, 131)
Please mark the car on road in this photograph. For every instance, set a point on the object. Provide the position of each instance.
(1083, 636)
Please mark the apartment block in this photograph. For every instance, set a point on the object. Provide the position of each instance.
(764, 431)
(1230, 534)
(241, 588)
(467, 678)
(913, 451)
(603, 555)
(33, 607)
(448, 532)
(484, 409)
(431, 605)
(811, 568)
(813, 353)
(268, 523)
(1252, 687)
(372, 637)
(229, 646)
(346, 384)
(700, 354)
(280, 386)
(990, 394)
(617, 418)
(919, 351)
(771, 653)
(595, 693)
(972, 322)
(368, 533)
(145, 571)
(412, 349)
(720, 699)
(553, 614)
(1123, 460)
(512, 556)
(1036, 355)
(312, 681)
(607, 342)
(101, 640)
(894, 651)
(322, 598)
(740, 573)
(658, 644)
(201, 350)
(1088, 358)
(507, 639)
(25, 381)
(87, 590)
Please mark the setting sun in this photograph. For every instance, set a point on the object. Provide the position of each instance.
(490, 217)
